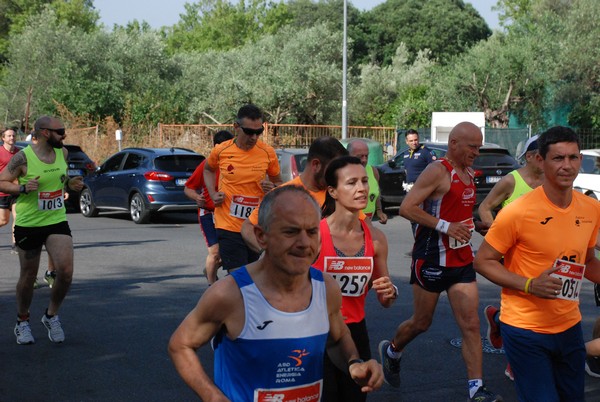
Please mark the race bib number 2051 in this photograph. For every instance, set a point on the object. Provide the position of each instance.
(571, 276)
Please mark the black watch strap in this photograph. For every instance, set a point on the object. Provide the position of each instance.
(22, 189)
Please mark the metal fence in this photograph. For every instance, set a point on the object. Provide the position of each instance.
(99, 143)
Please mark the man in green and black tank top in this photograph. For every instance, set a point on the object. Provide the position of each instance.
(41, 171)
(360, 149)
(514, 184)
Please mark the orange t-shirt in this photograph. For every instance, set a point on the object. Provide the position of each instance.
(240, 174)
(532, 233)
(319, 196)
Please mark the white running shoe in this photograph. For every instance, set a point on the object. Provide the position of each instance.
(23, 333)
(55, 331)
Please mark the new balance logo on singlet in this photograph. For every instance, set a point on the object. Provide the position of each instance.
(546, 220)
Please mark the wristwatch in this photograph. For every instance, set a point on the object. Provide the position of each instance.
(23, 189)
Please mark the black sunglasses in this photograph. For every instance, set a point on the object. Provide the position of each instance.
(252, 131)
(59, 131)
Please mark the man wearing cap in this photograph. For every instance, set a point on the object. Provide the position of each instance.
(511, 187)
(514, 184)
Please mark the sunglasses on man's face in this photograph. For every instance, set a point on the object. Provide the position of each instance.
(59, 131)
(252, 131)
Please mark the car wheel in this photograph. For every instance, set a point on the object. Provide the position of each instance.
(138, 210)
(86, 204)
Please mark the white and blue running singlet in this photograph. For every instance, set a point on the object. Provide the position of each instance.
(278, 356)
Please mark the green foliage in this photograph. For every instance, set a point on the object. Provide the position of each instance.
(548, 61)
(294, 76)
(16, 14)
(446, 27)
(221, 25)
(90, 73)
(381, 93)
(578, 67)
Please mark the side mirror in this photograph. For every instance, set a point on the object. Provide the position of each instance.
(392, 163)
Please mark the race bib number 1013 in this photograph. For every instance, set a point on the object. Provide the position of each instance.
(50, 200)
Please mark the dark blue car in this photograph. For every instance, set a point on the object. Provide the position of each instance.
(142, 181)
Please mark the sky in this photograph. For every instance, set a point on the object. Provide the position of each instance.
(166, 12)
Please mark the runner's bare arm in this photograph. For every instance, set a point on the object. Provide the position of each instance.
(426, 186)
(487, 263)
(341, 348)
(592, 266)
(434, 182)
(249, 236)
(276, 180)
(210, 179)
(196, 330)
(382, 284)
(499, 193)
(16, 167)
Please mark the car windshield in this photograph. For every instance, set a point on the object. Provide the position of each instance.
(300, 160)
(494, 160)
(590, 164)
(178, 163)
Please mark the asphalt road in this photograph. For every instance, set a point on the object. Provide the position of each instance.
(134, 284)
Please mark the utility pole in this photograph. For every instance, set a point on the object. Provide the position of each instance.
(344, 75)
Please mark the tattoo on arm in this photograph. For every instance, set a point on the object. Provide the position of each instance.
(16, 162)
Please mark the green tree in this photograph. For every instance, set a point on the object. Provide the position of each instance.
(294, 76)
(446, 27)
(308, 13)
(95, 74)
(577, 70)
(502, 76)
(16, 13)
(221, 25)
(380, 94)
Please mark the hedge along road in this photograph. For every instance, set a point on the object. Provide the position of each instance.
(133, 285)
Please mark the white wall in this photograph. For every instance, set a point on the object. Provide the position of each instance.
(443, 122)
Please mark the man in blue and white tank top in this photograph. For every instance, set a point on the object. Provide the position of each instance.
(273, 318)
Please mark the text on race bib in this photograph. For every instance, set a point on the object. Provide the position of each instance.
(454, 244)
(571, 276)
(308, 393)
(50, 200)
(351, 273)
(243, 205)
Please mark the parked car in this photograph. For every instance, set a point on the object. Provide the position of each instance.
(588, 179)
(142, 181)
(78, 164)
(292, 162)
(489, 167)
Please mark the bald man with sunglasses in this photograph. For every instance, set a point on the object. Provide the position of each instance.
(41, 171)
(248, 169)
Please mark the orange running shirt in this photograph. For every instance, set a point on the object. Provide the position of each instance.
(319, 196)
(240, 175)
(532, 233)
